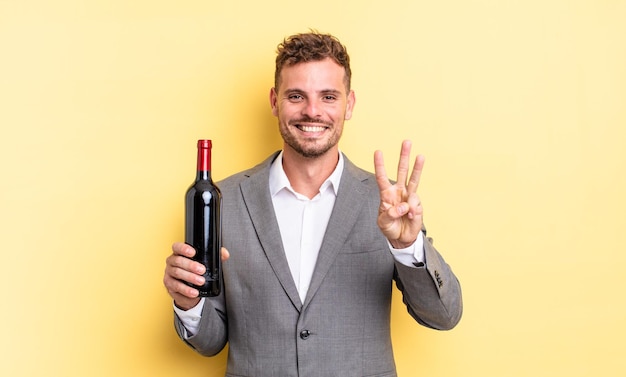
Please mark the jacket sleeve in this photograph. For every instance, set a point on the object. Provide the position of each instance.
(431, 293)
(212, 333)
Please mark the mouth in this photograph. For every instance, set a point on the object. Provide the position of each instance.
(311, 128)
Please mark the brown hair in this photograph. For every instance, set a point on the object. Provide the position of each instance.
(313, 46)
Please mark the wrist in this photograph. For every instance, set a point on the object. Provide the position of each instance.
(187, 304)
(397, 244)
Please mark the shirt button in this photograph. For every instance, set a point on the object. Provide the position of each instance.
(304, 334)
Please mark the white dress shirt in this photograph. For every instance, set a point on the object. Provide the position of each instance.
(302, 222)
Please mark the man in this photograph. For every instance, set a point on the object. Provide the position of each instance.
(313, 243)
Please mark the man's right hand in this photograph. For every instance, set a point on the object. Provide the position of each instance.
(179, 267)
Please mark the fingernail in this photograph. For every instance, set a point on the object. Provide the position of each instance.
(402, 208)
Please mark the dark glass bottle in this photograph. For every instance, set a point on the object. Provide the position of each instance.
(203, 231)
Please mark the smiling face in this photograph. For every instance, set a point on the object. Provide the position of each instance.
(311, 104)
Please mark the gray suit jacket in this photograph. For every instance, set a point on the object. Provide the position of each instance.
(342, 327)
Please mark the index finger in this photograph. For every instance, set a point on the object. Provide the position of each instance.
(181, 248)
(379, 170)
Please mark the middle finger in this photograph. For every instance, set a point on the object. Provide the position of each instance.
(403, 164)
(416, 174)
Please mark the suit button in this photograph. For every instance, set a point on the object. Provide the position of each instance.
(304, 334)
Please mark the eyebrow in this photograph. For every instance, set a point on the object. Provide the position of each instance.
(323, 91)
(331, 91)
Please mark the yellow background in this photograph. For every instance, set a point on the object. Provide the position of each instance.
(519, 107)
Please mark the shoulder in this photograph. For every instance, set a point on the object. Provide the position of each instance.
(352, 172)
(257, 171)
(359, 184)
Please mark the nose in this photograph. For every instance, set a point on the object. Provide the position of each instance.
(312, 109)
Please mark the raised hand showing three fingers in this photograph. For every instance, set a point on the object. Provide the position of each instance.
(400, 214)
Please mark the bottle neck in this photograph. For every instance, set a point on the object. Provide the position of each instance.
(204, 160)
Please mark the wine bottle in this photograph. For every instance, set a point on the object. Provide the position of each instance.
(203, 202)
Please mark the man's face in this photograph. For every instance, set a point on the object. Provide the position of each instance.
(311, 104)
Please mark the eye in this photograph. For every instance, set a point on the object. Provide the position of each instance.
(330, 96)
(295, 97)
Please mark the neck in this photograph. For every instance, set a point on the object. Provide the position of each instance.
(307, 175)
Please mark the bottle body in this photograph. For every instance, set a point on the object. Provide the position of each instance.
(203, 202)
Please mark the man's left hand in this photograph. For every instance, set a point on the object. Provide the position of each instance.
(400, 214)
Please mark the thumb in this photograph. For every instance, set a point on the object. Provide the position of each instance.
(389, 213)
(224, 254)
(402, 209)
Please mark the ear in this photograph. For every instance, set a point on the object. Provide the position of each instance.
(274, 101)
(350, 105)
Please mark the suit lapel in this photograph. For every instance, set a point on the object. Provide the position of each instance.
(349, 203)
(258, 201)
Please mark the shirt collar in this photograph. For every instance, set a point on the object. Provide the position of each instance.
(279, 180)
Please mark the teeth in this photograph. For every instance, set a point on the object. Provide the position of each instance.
(312, 128)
